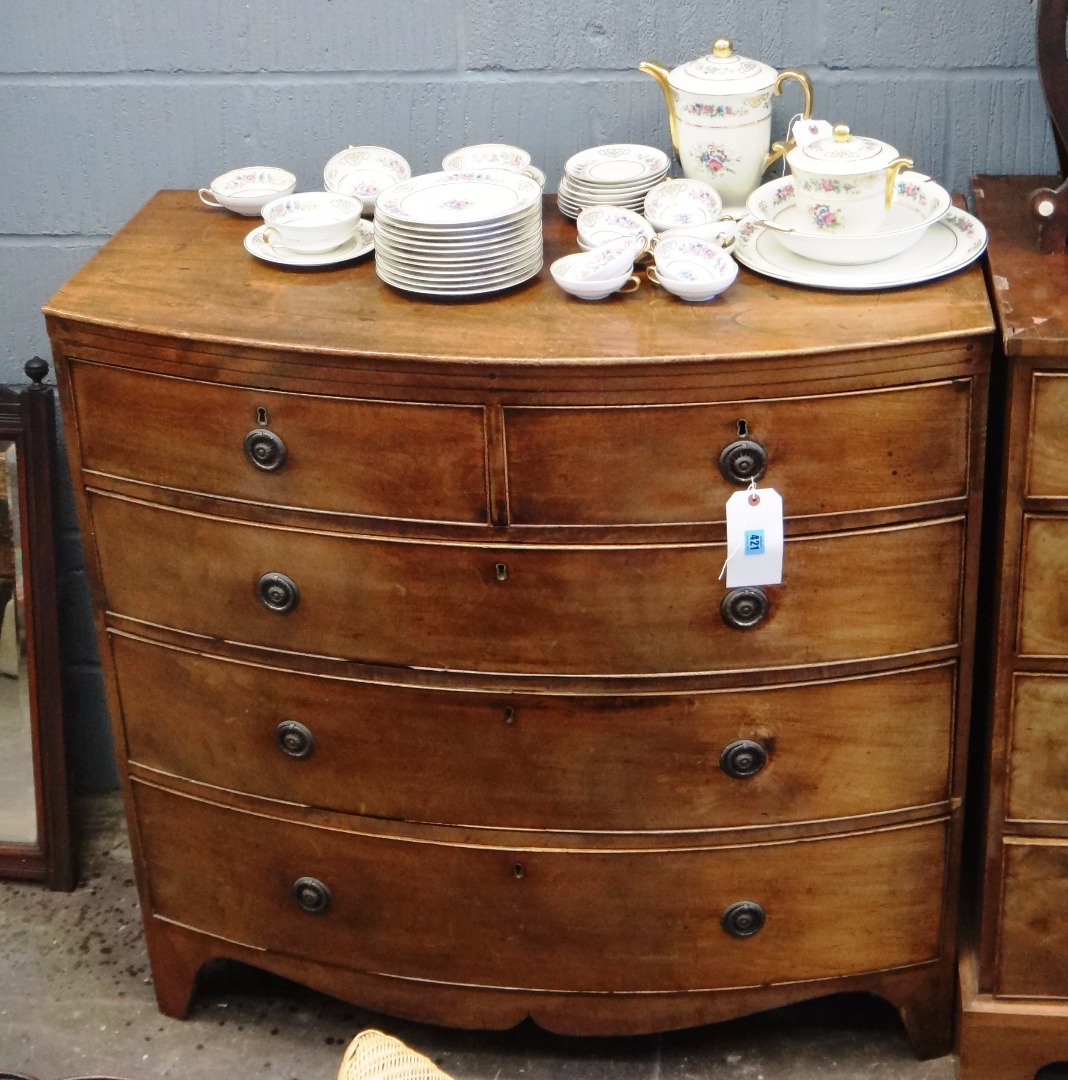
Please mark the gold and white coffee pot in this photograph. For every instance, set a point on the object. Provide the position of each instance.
(719, 110)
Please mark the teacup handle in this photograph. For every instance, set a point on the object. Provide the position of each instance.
(781, 149)
(629, 285)
(650, 273)
(203, 193)
(265, 236)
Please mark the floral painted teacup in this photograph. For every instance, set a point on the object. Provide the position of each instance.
(691, 268)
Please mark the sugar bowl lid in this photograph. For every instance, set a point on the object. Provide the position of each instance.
(842, 153)
(722, 71)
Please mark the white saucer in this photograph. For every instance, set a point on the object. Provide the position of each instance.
(950, 244)
(360, 244)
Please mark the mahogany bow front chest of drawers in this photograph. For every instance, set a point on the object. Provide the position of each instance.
(425, 685)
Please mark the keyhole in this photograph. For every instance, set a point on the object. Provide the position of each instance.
(501, 571)
(262, 419)
(509, 715)
(518, 870)
(743, 430)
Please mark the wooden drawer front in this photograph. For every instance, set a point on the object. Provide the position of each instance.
(835, 749)
(548, 919)
(826, 455)
(379, 458)
(1034, 920)
(1047, 457)
(611, 610)
(1038, 761)
(1043, 629)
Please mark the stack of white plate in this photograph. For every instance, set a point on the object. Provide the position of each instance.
(459, 233)
(619, 174)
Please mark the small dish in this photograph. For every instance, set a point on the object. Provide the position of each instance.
(365, 172)
(918, 204)
(691, 268)
(247, 191)
(602, 224)
(360, 244)
(676, 203)
(570, 273)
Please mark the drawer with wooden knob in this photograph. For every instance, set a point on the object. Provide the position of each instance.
(717, 759)
(827, 454)
(581, 610)
(391, 459)
(597, 919)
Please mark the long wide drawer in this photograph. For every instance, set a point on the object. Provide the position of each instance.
(378, 458)
(633, 609)
(720, 759)
(534, 917)
(825, 454)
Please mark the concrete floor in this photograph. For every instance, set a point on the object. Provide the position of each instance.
(76, 998)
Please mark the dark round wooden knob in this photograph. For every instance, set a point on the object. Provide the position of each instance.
(265, 450)
(278, 592)
(294, 739)
(743, 461)
(743, 919)
(311, 895)
(36, 369)
(743, 759)
(743, 608)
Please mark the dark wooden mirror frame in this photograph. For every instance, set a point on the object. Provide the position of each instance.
(27, 418)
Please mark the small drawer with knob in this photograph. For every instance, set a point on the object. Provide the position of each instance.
(670, 464)
(610, 917)
(802, 751)
(283, 449)
(633, 609)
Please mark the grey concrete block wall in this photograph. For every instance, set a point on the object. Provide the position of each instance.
(103, 104)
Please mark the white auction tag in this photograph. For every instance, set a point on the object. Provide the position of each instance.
(754, 538)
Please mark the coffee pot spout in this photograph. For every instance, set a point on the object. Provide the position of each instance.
(660, 73)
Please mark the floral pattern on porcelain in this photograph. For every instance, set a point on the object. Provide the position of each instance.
(712, 67)
(836, 185)
(912, 191)
(715, 159)
(824, 218)
(237, 183)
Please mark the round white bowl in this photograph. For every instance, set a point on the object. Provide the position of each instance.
(247, 191)
(365, 172)
(918, 203)
(602, 224)
(675, 203)
(486, 156)
(312, 222)
(569, 272)
(692, 268)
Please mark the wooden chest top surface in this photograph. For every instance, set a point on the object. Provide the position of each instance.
(175, 255)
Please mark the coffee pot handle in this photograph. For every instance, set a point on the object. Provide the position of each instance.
(781, 149)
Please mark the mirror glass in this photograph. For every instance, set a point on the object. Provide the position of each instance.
(18, 786)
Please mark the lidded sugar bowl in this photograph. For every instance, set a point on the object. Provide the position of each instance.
(844, 183)
(719, 111)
